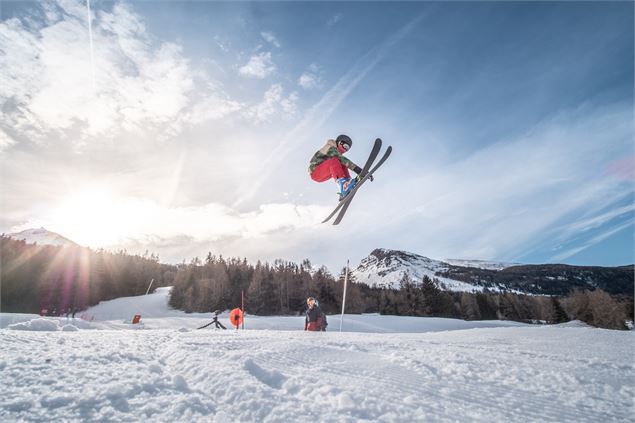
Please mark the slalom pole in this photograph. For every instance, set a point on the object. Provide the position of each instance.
(148, 290)
(344, 295)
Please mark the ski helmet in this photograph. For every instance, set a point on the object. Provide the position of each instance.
(344, 139)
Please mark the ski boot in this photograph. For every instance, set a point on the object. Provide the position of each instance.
(346, 186)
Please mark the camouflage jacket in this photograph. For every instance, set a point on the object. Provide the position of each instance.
(327, 152)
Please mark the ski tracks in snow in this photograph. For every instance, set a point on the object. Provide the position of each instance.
(503, 374)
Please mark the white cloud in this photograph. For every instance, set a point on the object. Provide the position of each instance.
(289, 105)
(212, 108)
(5, 140)
(259, 66)
(270, 38)
(135, 220)
(334, 20)
(221, 43)
(140, 83)
(595, 221)
(307, 81)
(311, 78)
(274, 103)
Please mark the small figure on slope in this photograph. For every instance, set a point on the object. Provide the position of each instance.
(315, 318)
(329, 162)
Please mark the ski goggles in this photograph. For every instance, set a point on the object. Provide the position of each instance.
(345, 146)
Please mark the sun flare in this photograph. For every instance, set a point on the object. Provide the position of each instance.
(92, 217)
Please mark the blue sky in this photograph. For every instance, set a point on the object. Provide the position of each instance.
(190, 126)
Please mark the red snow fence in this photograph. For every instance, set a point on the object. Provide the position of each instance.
(236, 317)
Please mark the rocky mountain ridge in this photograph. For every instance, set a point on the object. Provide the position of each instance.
(385, 268)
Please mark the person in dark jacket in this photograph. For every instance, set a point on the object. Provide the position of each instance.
(315, 319)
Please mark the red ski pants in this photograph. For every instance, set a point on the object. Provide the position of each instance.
(331, 168)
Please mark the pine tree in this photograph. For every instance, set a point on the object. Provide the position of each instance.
(559, 315)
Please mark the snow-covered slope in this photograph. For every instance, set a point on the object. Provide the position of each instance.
(157, 314)
(385, 269)
(42, 236)
(151, 305)
(399, 369)
(513, 374)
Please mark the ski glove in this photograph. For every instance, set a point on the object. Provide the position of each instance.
(358, 170)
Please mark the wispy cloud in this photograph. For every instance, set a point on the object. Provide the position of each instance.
(221, 43)
(512, 196)
(270, 38)
(334, 20)
(274, 103)
(47, 80)
(213, 107)
(591, 242)
(259, 66)
(5, 140)
(594, 222)
(311, 78)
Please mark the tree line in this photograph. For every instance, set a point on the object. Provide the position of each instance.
(53, 280)
(282, 288)
(35, 277)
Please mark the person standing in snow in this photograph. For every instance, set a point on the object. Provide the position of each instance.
(329, 163)
(315, 319)
(324, 322)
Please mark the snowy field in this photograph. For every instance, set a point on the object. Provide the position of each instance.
(380, 368)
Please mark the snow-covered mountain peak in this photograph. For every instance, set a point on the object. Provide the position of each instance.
(384, 261)
(385, 268)
(42, 236)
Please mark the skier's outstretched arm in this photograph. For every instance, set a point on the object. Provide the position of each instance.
(358, 170)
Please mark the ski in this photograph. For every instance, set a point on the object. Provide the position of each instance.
(350, 196)
(369, 162)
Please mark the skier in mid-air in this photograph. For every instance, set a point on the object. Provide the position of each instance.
(329, 162)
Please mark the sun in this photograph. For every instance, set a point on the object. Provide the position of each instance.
(92, 217)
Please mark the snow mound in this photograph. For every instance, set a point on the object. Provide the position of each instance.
(271, 378)
(573, 324)
(40, 325)
(69, 328)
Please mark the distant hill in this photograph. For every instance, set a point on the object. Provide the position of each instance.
(385, 268)
(42, 236)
